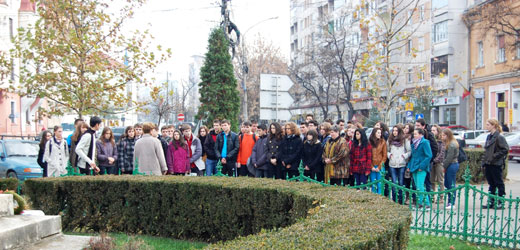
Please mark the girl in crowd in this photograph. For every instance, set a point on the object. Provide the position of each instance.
(125, 151)
(56, 154)
(495, 153)
(324, 133)
(259, 158)
(312, 152)
(178, 157)
(408, 135)
(360, 157)
(419, 165)
(336, 158)
(450, 164)
(398, 154)
(81, 128)
(46, 136)
(290, 150)
(437, 174)
(203, 132)
(106, 152)
(384, 129)
(273, 149)
(379, 156)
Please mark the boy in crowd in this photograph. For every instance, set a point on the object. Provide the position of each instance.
(226, 148)
(86, 148)
(194, 150)
(303, 130)
(312, 125)
(209, 148)
(138, 127)
(254, 127)
(247, 141)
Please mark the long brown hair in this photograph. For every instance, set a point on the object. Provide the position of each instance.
(449, 138)
(111, 140)
(77, 132)
(314, 136)
(439, 131)
(495, 124)
(400, 134)
(181, 140)
(373, 139)
(294, 128)
(43, 140)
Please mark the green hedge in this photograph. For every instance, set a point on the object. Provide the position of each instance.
(8, 184)
(238, 212)
(475, 166)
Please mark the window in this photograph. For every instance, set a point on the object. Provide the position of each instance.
(421, 12)
(11, 116)
(436, 4)
(11, 28)
(27, 117)
(409, 76)
(440, 32)
(439, 65)
(517, 45)
(410, 16)
(501, 46)
(480, 54)
(421, 74)
(12, 69)
(409, 46)
(421, 43)
(450, 116)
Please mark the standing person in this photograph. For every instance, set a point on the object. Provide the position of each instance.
(313, 125)
(178, 156)
(56, 154)
(309, 117)
(419, 165)
(125, 151)
(379, 156)
(421, 123)
(259, 158)
(341, 124)
(408, 135)
(247, 141)
(273, 149)
(195, 150)
(254, 127)
(360, 157)
(76, 123)
(46, 136)
(86, 148)
(336, 158)
(493, 162)
(324, 133)
(290, 150)
(312, 155)
(437, 173)
(226, 148)
(398, 154)
(138, 127)
(81, 128)
(384, 129)
(106, 152)
(450, 164)
(209, 148)
(148, 152)
(303, 130)
(165, 134)
(203, 134)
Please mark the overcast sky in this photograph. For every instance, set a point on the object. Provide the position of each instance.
(184, 26)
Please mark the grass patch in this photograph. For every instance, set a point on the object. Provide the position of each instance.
(426, 242)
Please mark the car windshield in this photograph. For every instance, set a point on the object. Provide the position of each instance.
(21, 148)
(511, 135)
(482, 137)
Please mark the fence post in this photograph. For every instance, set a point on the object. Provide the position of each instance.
(467, 178)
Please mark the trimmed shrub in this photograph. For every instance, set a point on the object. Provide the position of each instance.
(239, 212)
(8, 184)
(475, 166)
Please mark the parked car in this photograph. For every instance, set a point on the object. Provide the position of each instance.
(514, 152)
(478, 142)
(18, 159)
(512, 138)
(467, 134)
(453, 127)
(118, 132)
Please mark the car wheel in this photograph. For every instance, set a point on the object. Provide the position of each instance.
(518, 161)
(11, 174)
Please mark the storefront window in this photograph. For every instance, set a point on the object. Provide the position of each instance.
(450, 116)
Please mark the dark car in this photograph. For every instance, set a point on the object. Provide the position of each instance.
(118, 132)
(514, 152)
(18, 159)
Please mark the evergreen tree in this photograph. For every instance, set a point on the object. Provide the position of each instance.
(219, 96)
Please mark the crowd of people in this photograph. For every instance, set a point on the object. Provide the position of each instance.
(413, 155)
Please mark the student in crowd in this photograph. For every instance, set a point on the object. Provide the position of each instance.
(81, 128)
(106, 152)
(148, 152)
(450, 164)
(254, 127)
(379, 156)
(437, 172)
(125, 151)
(384, 129)
(46, 136)
(195, 150)
(408, 135)
(399, 152)
(86, 148)
(349, 137)
(273, 149)
(309, 117)
(76, 123)
(56, 154)
(303, 130)
(493, 161)
(178, 156)
(247, 141)
(313, 125)
(360, 157)
(226, 148)
(202, 135)
(421, 123)
(341, 124)
(312, 155)
(138, 127)
(209, 148)
(259, 158)
(336, 158)
(419, 165)
(165, 130)
(290, 150)
(324, 133)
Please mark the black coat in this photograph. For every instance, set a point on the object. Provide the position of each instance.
(232, 146)
(259, 154)
(291, 151)
(273, 148)
(496, 150)
(209, 146)
(433, 143)
(312, 156)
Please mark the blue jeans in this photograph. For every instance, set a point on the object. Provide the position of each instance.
(449, 181)
(419, 178)
(374, 176)
(211, 167)
(397, 178)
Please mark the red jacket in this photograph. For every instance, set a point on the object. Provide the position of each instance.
(361, 159)
(246, 147)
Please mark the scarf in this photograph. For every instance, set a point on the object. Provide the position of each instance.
(224, 146)
(329, 153)
(416, 142)
(396, 143)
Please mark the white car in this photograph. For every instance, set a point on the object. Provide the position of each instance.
(512, 138)
(477, 142)
(467, 134)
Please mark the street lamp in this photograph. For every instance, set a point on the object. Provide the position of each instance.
(245, 68)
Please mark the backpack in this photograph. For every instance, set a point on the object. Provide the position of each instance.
(462, 155)
(242, 137)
